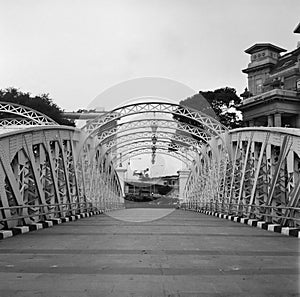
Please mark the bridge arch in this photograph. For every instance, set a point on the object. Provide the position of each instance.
(194, 127)
(211, 125)
(250, 172)
(163, 146)
(141, 151)
(107, 126)
(173, 138)
(190, 131)
(29, 116)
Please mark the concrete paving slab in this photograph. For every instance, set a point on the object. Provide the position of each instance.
(180, 254)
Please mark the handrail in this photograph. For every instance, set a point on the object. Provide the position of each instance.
(79, 209)
(232, 209)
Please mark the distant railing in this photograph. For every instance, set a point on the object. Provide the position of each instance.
(270, 214)
(61, 210)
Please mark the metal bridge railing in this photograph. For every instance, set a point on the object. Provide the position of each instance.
(62, 210)
(285, 216)
(255, 175)
(47, 172)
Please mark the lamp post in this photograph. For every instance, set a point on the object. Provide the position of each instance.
(153, 153)
(154, 140)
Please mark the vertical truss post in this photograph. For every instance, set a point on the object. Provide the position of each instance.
(36, 175)
(286, 144)
(233, 171)
(65, 172)
(245, 162)
(53, 174)
(257, 171)
(6, 213)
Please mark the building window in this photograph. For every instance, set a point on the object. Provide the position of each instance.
(258, 85)
(298, 85)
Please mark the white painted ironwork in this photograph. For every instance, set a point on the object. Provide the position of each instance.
(145, 150)
(43, 175)
(7, 122)
(48, 171)
(144, 125)
(260, 180)
(32, 115)
(168, 135)
(211, 126)
(147, 144)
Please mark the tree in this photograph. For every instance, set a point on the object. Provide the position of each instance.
(41, 103)
(222, 104)
(197, 102)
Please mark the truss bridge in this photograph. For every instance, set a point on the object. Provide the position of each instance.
(229, 181)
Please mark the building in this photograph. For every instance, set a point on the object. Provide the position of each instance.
(273, 94)
(155, 186)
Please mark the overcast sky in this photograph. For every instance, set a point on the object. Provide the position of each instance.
(75, 50)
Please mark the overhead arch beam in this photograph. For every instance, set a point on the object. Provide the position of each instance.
(211, 125)
(171, 139)
(188, 130)
(6, 122)
(25, 112)
(162, 146)
(149, 144)
(143, 151)
(187, 142)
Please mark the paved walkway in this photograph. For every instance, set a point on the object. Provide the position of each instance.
(181, 254)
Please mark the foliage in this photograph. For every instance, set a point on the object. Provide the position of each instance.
(221, 104)
(199, 102)
(40, 103)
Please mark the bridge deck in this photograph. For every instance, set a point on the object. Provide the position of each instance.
(181, 254)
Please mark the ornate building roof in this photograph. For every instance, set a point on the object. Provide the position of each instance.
(261, 46)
